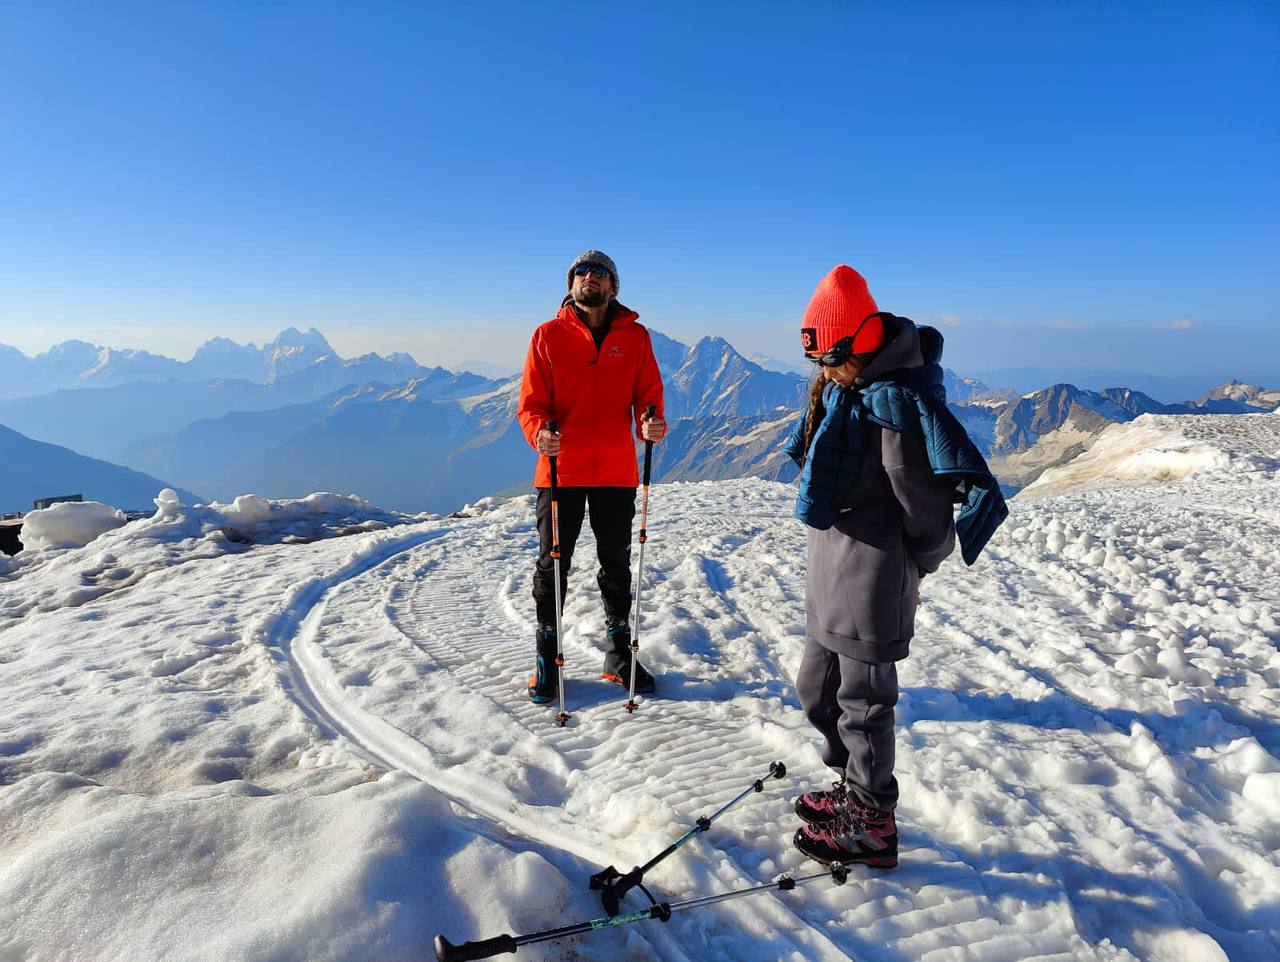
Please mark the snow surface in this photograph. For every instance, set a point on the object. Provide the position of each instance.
(1161, 447)
(298, 731)
(70, 524)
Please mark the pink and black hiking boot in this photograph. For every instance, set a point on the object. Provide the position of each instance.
(863, 835)
(821, 808)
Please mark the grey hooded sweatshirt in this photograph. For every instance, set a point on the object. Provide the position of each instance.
(896, 525)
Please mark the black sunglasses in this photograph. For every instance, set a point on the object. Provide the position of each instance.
(841, 350)
(592, 269)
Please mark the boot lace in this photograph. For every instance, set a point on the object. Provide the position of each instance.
(857, 817)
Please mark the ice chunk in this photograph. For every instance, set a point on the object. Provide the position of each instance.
(168, 504)
(248, 509)
(71, 524)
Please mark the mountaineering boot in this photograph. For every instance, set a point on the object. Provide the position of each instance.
(860, 834)
(822, 808)
(617, 660)
(544, 685)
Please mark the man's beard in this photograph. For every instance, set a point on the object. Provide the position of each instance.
(595, 298)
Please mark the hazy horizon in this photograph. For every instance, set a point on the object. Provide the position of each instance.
(1166, 386)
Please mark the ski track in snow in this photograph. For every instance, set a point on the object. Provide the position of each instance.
(459, 609)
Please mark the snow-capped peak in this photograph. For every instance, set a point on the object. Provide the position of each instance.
(293, 351)
(292, 341)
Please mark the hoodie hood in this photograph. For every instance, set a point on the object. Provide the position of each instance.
(901, 351)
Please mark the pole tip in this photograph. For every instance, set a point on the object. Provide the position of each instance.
(778, 770)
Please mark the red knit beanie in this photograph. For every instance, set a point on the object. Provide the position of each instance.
(837, 310)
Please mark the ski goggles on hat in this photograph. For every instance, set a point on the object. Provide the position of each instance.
(593, 269)
(840, 352)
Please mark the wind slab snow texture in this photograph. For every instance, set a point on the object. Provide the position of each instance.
(222, 742)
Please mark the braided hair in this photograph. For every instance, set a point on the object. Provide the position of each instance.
(816, 408)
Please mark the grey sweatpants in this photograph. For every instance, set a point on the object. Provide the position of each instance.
(851, 702)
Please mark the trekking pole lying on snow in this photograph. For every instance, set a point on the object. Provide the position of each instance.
(563, 716)
(446, 951)
(644, 536)
(613, 885)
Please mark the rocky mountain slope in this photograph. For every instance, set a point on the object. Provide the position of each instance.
(1051, 427)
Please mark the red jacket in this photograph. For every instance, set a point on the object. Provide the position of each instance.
(596, 397)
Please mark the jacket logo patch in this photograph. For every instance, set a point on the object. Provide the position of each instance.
(615, 352)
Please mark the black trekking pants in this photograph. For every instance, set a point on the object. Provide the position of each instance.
(611, 510)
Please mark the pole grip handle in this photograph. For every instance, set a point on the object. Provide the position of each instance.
(551, 460)
(446, 951)
(649, 412)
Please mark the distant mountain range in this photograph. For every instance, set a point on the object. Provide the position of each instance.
(106, 418)
(1168, 388)
(418, 446)
(294, 417)
(1051, 426)
(33, 469)
(305, 360)
(409, 445)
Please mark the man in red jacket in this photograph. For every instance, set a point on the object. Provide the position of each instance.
(591, 370)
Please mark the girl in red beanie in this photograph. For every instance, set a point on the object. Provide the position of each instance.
(879, 518)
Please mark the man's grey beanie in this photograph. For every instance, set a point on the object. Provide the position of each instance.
(600, 259)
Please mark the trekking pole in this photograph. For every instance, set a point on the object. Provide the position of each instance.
(446, 951)
(644, 536)
(563, 716)
(613, 885)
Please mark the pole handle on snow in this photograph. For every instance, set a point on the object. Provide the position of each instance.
(446, 951)
(614, 885)
(563, 715)
(631, 705)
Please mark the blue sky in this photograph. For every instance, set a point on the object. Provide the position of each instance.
(1087, 184)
